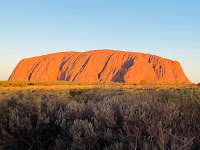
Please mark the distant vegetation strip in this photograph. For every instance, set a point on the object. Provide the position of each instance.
(101, 83)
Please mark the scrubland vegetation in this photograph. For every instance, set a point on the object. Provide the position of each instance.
(114, 117)
(100, 83)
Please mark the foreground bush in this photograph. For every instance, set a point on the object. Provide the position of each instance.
(102, 119)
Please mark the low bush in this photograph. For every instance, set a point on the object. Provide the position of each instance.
(143, 82)
(104, 119)
(5, 85)
(74, 92)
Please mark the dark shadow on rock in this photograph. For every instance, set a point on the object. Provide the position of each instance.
(119, 76)
(81, 69)
(62, 75)
(99, 75)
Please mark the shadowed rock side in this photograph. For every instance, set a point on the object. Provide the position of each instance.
(99, 65)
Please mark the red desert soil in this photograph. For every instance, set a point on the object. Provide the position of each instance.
(99, 65)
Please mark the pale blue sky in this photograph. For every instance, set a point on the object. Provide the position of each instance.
(167, 28)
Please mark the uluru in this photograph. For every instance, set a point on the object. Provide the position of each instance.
(99, 65)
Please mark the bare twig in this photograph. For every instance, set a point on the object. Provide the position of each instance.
(188, 143)
(31, 147)
(173, 136)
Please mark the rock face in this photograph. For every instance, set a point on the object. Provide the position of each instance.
(99, 65)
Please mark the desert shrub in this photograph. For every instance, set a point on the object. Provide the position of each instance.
(13, 84)
(142, 82)
(76, 110)
(74, 92)
(83, 135)
(29, 124)
(104, 119)
(4, 84)
(31, 83)
(3, 93)
(97, 94)
(18, 84)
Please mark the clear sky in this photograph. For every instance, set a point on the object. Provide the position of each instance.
(167, 28)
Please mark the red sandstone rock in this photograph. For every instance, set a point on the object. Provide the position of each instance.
(99, 65)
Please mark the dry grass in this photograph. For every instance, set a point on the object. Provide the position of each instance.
(10, 88)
